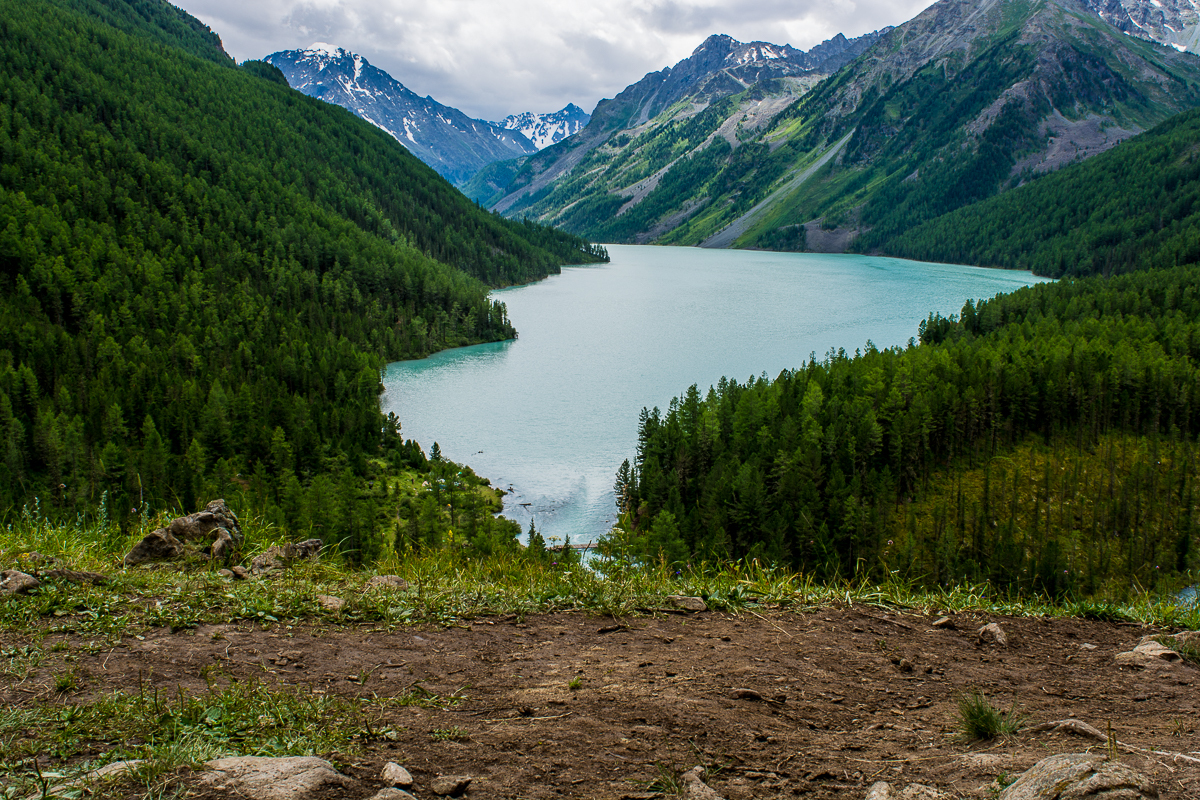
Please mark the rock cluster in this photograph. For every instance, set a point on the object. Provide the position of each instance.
(215, 529)
(301, 777)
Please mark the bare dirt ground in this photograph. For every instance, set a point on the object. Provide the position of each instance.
(816, 705)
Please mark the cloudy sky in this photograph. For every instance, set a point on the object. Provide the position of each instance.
(491, 58)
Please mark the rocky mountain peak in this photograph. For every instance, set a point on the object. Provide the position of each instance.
(443, 137)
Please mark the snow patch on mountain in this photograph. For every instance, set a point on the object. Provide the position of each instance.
(547, 129)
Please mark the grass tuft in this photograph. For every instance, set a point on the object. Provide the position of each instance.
(979, 719)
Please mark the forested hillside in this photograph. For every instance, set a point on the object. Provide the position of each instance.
(202, 273)
(1045, 441)
(1136, 206)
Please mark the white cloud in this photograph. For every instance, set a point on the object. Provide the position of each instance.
(490, 58)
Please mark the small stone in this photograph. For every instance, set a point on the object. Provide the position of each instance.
(396, 775)
(227, 574)
(390, 793)
(687, 603)
(16, 582)
(906, 666)
(450, 785)
(880, 790)
(330, 603)
(993, 634)
(393, 582)
(983, 763)
(694, 787)
(919, 791)
(1087, 646)
(943, 622)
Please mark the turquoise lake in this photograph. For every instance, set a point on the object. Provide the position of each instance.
(550, 416)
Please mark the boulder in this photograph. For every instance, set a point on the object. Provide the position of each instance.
(261, 778)
(16, 582)
(281, 556)
(1080, 776)
(215, 528)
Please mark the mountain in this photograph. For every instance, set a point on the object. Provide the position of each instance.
(203, 273)
(547, 129)
(722, 93)
(968, 99)
(1170, 22)
(443, 137)
(1133, 207)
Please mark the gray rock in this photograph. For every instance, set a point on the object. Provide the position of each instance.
(919, 791)
(450, 785)
(216, 528)
(390, 793)
(1149, 655)
(984, 763)
(16, 582)
(687, 603)
(694, 787)
(330, 603)
(1080, 776)
(260, 778)
(396, 775)
(880, 790)
(394, 582)
(993, 634)
(281, 556)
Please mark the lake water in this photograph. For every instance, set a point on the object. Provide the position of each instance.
(551, 415)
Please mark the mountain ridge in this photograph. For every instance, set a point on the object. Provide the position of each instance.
(956, 104)
(455, 145)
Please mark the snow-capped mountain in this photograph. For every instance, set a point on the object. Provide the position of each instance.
(443, 137)
(1170, 22)
(547, 129)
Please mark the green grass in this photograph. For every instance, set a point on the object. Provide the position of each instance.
(979, 719)
(445, 586)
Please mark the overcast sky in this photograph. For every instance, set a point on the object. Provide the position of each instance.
(491, 58)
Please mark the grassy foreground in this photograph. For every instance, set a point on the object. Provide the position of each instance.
(61, 733)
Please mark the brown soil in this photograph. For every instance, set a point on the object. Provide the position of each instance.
(818, 704)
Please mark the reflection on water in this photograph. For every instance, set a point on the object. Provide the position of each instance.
(550, 416)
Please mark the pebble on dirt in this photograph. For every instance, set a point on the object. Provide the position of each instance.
(396, 775)
(450, 785)
(687, 603)
(993, 634)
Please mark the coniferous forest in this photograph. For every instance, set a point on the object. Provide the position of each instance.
(203, 272)
(1044, 441)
